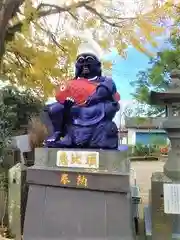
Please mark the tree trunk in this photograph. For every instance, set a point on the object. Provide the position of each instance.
(8, 9)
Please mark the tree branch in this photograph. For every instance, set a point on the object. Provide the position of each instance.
(23, 58)
(54, 9)
(44, 10)
(53, 38)
(103, 17)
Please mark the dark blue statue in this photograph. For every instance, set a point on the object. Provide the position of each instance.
(82, 116)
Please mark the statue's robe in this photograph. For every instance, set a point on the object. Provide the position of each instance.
(90, 120)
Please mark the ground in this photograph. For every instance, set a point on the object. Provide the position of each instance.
(144, 172)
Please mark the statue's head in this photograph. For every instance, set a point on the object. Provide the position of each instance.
(87, 63)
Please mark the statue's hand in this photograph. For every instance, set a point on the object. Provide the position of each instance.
(67, 119)
(69, 102)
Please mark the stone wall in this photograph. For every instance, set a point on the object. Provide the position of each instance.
(144, 123)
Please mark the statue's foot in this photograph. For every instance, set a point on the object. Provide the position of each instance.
(50, 141)
(56, 141)
(65, 141)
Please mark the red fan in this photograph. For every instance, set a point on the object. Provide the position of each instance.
(117, 96)
(79, 90)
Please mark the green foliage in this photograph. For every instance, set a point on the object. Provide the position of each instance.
(153, 148)
(158, 141)
(136, 110)
(16, 108)
(5, 126)
(150, 150)
(21, 104)
(143, 150)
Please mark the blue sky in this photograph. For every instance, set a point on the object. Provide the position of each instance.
(125, 70)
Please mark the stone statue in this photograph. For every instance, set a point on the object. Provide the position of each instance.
(83, 115)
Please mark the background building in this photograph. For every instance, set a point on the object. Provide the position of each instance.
(145, 131)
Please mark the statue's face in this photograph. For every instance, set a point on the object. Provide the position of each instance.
(87, 66)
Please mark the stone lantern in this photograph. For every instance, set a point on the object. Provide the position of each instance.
(163, 210)
(171, 100)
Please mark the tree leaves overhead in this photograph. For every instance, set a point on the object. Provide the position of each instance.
(31, 62)
(157, 76)
(39, 46)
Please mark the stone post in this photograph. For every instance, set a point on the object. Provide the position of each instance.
(172, 127)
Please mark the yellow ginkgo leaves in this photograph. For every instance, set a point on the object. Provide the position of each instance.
(147, 31)
(37, 60)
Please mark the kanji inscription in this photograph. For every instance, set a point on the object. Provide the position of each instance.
(78, 159)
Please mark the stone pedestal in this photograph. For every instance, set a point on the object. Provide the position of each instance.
(17, 197)
(3, 195)
(161, 222)
(11, 157)
(158, 224)
(89, 204)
